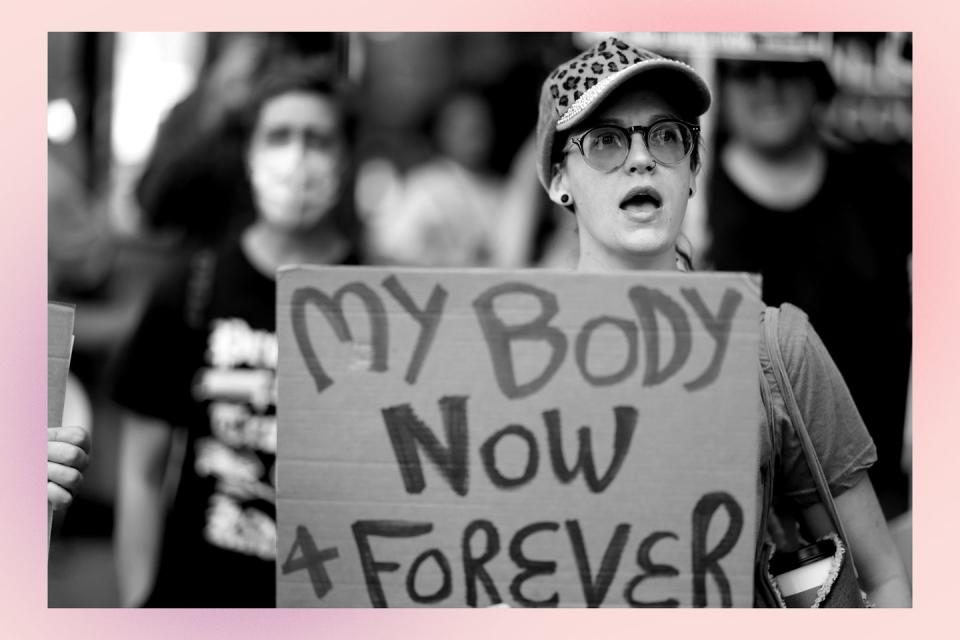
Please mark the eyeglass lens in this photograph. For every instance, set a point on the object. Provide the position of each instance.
(606, 148)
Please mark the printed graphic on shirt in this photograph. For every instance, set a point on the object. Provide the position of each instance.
(235, 425)
(247, 531)
(240, 386)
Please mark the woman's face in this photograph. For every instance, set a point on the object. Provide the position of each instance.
(296, 160)
(629, 217)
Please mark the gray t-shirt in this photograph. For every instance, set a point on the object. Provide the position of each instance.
(838, 433)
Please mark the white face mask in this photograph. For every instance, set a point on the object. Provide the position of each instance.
(293, 187)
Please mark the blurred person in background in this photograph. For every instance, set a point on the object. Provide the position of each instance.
(82, 254)
(80, 246)
(407, 192)
(202, 363)
(444, 212)
(828, 229)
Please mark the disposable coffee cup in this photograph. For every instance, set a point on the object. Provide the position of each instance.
(801, 573)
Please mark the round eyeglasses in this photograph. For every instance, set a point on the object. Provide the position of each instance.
(606, 147)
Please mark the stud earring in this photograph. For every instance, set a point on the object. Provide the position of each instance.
(691, 192)
(564, 198)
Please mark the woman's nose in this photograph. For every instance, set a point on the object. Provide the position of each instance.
(638, 155)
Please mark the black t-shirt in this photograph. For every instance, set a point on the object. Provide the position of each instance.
(842, 258)
(204, 358)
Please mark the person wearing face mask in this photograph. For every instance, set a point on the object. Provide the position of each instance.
(199, 371)
(618, 146)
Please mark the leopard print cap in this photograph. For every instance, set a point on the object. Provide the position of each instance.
(577, 86)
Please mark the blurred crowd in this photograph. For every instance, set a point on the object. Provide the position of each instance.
(427, 159)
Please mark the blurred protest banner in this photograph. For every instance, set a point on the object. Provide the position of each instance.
(529, 437)
(59, 347)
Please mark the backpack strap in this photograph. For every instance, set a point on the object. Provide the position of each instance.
(771, 333)
(764, 593)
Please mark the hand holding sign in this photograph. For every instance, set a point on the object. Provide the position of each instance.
(59, 347)
(68, 450)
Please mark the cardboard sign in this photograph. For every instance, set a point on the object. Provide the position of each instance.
(59, 347)
(535, 438)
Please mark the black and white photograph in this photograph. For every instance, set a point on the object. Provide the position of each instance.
(480, 319)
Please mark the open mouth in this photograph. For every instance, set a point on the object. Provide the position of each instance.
(642, 200)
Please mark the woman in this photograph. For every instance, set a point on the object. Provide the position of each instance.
(617, 145)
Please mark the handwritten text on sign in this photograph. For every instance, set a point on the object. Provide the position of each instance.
(534, 438)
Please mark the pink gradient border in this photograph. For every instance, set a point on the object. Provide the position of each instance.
(23, 255)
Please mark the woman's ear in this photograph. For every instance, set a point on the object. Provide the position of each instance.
(558, 191)
(693, 182)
